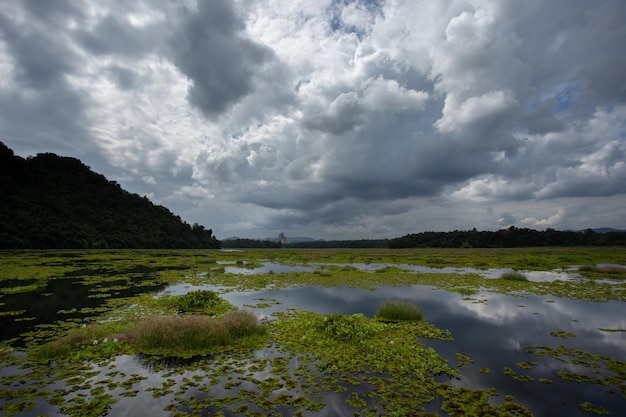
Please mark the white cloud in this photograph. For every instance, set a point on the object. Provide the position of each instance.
(332, 119)
(550, 221)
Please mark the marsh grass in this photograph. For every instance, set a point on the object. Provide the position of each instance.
(514, 276)
(194, 332)
(612, 271)
(170, 335)
(398, 310)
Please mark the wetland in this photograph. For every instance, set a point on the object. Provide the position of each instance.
(511, 332)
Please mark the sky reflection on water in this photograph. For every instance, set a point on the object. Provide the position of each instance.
(493, 329)
(268, 267)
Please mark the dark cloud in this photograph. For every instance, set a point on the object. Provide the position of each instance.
(42, 57)
(542, 119)
(39, 107)
(116, 35)
(212, 50)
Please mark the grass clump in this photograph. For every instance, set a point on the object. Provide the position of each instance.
(194, 332)
(173, 335)
(514, 276)
(604, 271)
(398, 310)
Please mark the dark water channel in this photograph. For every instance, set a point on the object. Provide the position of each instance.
(74, 296)
(492, 329)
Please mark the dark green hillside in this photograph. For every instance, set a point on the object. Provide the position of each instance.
(49, 201)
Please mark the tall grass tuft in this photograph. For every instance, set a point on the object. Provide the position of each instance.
(398, 310)
(514, 276)
(194, 332)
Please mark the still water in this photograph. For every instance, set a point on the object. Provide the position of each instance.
(492, 329)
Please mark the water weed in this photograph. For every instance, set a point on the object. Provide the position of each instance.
(399, 310)
(514, 276)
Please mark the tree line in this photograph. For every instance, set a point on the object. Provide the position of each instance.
(49, 201)
(512, 237)
(314, 244)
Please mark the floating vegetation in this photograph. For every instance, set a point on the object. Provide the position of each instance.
(263, 303)
(521, 378)
(589, 407)
(603, 271)
(584, 367)
(17, 289)
(465, 291)
(560, 333)
(463, 360)
(602, 329)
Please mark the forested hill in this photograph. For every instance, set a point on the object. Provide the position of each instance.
(49, 201)
(512, 237)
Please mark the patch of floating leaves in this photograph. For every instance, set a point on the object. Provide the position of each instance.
(585, 367)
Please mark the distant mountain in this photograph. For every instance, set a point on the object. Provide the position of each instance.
(50, 201)
(294, 239)
(607, 230)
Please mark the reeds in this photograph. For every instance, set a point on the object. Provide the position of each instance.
(193, 332)
(514, 276)
(398, 310)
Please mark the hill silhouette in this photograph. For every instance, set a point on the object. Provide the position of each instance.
(51, 201)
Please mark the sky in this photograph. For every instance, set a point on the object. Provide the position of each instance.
(332, 119)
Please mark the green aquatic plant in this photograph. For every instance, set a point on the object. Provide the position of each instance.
(514, 276)
(561, 333)
(589, 407)
(198, 300)
(353, 328)
(23, 288)
(465, 291)
(399, 310)
(605, 271)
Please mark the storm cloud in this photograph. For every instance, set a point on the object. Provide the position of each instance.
(337, 120)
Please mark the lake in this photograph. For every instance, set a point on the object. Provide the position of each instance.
(553, 355)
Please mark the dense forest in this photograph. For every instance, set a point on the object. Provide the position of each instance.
(312, 244)
(49, 201)
(512, 237)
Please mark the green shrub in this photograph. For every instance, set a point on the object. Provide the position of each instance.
(398, 310)
(198, 300)
(514, 276)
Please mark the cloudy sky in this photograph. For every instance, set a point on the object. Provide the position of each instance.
(334, 119)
